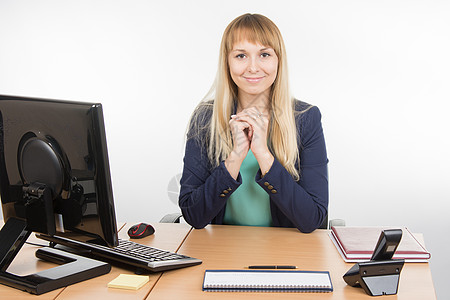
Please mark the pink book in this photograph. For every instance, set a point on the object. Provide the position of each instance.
(359, 242)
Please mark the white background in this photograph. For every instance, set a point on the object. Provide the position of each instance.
(378, 70)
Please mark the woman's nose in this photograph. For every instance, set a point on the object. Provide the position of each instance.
(253, 65)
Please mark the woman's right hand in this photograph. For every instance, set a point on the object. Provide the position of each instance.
(241, 133)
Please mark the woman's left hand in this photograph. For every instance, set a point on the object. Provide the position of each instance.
(257, 136)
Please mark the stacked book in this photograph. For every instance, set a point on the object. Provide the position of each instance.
(356, 244)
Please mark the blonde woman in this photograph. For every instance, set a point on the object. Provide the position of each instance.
(254, 155)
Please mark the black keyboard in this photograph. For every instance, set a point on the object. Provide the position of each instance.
(130, 253)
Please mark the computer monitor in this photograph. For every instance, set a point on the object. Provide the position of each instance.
(60, 145)
(55, 180)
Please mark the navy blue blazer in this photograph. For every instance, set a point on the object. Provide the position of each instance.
(302, 204)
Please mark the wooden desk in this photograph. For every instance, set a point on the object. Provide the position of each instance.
(167, 236)
(225, 247)
(235, 247)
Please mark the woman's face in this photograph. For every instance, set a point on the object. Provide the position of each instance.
(253, 68)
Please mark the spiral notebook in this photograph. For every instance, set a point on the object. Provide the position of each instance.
(266, 281)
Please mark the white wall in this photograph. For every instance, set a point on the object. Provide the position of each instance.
(378, 70)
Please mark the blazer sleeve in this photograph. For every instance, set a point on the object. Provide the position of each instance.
(305, 202)
(204, 190)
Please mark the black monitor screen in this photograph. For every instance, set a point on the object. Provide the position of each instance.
(59, 145)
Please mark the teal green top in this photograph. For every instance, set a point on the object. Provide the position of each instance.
(249, 204)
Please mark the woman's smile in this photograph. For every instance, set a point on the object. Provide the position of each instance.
(254, 79)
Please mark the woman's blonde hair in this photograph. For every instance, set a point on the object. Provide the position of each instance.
(283, 138)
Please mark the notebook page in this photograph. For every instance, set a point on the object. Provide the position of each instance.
(286, 279)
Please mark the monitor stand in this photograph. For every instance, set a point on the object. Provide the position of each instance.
(72, 269)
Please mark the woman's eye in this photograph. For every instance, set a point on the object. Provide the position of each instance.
(265, 54)
(240, 56)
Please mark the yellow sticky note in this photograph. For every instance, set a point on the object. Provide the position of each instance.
(128, 282)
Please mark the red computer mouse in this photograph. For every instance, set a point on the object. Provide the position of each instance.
(140, 230)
